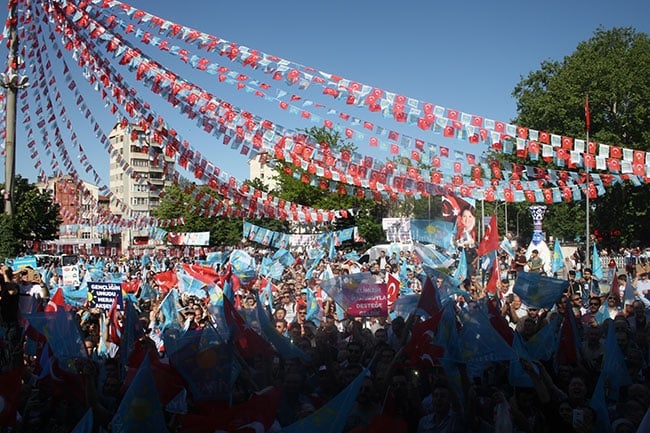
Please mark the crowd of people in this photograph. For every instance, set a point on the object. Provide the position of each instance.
(401, 390)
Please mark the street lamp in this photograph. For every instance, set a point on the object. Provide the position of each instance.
(13, 82)
(505, 211)
(518, 212)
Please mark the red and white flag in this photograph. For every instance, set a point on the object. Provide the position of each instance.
(490, 240)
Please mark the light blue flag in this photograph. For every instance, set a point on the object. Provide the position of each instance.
(315, 257)
(271, 268)
(331, 417)
(284, 256)
(596, 265)
(614, 366)
(241, 261)
(190, 285)
(431, 257)
(507, 247)
(85, 424)
(405, 305)
(517, 376)
(282, 344)
(61, 330)
(314, 311)
(460, 274)
(479, 342)
(536, 290)
(447, 333)
(217, 257)
(543, 344)
(332, 247)
(437, 232)
(75, 297)
(557, 262)
(598, 403)
(140, 409)
(353, 255)
(169, 310)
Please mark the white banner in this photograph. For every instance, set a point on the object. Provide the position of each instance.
(192, 238)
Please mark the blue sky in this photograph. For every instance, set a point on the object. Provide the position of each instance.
(463, 55)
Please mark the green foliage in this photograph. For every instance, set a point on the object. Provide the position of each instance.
(36, 215)
(367, 212)
(180, 204)
(613, 68)
(9, 246)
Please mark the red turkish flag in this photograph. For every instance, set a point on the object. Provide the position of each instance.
(491, 286)
(392, 289)
(58, 300)
(490, 240)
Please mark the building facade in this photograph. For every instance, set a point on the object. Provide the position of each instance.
(138, 174)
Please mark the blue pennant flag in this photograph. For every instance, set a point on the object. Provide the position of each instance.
(599, 404)
(536, 290)
(190, 285)
(61, 330)
(332, 416)
(169, 310)
(206, 366)
(282, 344)
(460, 274)
(558, 258)
(85, 424)
(543, 344)
(140, 409)
(614, 366)
(479, 342)
(596, 265)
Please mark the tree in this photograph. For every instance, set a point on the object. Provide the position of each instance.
(178, 203)
(36, 218)
(367, 213)
(613, 68)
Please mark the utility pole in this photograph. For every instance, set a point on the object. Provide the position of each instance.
(10, 82)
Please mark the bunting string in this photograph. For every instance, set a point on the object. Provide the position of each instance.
(303, 164)
(427, 116)
(176, 142)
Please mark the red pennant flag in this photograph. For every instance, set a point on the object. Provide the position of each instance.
(490, 240)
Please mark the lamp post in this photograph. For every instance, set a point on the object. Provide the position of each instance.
(518, 212)
(505, 212)
(12, 82)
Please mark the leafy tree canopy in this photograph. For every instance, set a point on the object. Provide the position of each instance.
(613, 69)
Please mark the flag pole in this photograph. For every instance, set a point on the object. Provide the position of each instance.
(587, 210)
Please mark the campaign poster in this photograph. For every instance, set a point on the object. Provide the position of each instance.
(101, 295)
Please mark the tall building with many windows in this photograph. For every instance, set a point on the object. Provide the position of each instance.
(138, 171)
